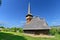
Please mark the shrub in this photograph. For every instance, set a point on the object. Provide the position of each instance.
(58, 30)
(21, 30)
(53, 31)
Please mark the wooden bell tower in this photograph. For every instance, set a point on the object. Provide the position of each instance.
(29, 16)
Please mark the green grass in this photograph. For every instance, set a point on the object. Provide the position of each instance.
(21, 36)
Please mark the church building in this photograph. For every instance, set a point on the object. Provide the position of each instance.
(35, 25)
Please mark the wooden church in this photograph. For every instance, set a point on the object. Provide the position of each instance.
(35, 25)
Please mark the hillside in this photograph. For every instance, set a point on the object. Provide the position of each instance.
(56, 26)
(21, 36)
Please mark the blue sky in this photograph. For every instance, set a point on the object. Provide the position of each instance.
(13, 12)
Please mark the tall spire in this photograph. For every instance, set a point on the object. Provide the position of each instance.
(29, 13)
(29, 8)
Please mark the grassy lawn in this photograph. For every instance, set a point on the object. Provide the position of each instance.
(21, 36)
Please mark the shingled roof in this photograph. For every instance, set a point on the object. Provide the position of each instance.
(36, 24)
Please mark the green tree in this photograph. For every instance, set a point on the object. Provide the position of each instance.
(21, 30)
(53, 31)
(58, 30)
(2, 27)
(13, 29)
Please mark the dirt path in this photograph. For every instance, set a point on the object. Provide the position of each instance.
(41, 35)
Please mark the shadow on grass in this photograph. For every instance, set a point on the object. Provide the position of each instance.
(8, 36)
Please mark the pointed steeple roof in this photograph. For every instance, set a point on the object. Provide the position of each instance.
(29, 8)
(29, 11)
